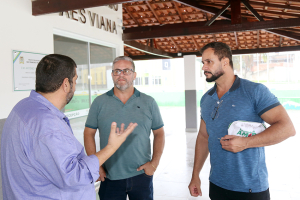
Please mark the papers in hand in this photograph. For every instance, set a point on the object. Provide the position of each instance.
(245, 129)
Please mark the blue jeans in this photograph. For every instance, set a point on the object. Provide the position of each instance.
(139, 187)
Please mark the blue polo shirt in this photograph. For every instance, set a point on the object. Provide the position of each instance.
(243, 171)
(136, 150)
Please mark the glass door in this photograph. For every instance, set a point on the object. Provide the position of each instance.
(93, 69)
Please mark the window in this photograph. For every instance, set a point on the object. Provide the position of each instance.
(156, 80)
(94, 63)
(146, 80)
(138, 81)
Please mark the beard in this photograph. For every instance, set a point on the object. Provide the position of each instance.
(214, 76)
(125, 86)
(70, 94)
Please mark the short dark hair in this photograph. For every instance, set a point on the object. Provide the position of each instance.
(221, 50)
(124, 58)
(51, 72)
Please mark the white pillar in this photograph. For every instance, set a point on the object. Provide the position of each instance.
(190, 93)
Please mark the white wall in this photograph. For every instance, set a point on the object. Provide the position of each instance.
(19, 30)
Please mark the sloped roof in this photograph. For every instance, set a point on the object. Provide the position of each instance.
(157, 14)
(169, 28)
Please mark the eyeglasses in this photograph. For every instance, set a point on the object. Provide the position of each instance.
(117, 72)
(215, 113)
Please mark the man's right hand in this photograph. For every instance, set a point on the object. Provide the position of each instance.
(102, 174)
(194, 187)
(118, 136)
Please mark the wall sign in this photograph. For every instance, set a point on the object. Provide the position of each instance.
(94, 19)
(166, 64)
(24, 66)
(77, 113)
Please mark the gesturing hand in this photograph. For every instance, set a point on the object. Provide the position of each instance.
(118, 136)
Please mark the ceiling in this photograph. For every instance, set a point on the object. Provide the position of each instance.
(165, 28)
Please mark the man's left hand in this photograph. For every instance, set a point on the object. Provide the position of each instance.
(148, 168)
(233, 143)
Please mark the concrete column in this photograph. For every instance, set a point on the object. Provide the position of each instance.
(190, 93)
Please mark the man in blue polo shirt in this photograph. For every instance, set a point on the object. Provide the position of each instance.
(238, 168)
(130, 170)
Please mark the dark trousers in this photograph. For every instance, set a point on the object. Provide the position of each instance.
(139, 187)
(218, 193)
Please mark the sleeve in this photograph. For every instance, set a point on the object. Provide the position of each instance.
(63, 162)
(92, 119)
(264, 99)
(157, 121)
(201, 104)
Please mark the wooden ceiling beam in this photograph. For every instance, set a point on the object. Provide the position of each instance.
(156, 45)
(41, 7)
(236, 17)
(253, 40)
(295, 29)
(195, 43)
(154, 13)
(251, 51)
(218, 14)
(195, 4)
(234, 52)
(274, 15)
(252, 10)
(195, 28)
(178, 11)
(127, 52)
(177, 46)
(151, 43)
(261, 5)
(215, 39)
(275, 5)
(258, 38)
(236, 40)
(167, 27)
(149, 57)
(130, 14)
(260, 18)
(147, 49)
(266, 50)
(286, 34)
(280, 41)
(263, 10)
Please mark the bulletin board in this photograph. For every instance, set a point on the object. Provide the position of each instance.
(24, 66)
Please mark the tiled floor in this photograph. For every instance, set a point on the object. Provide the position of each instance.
(173, 175)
